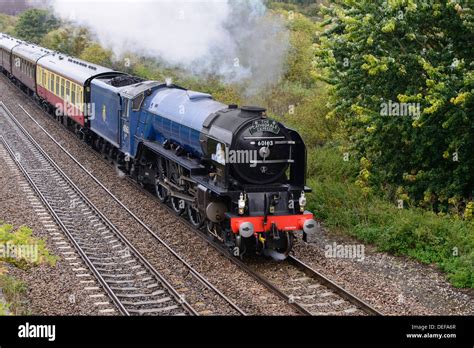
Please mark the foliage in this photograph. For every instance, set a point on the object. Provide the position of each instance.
(14, 291)
(404, 51)
(4, 308)
(7, 23)
(307, 112)
(69, 40)
(23, 237)
(34, 24)
(94, 53)
(300, 99)
(310, 8)
(424, 235)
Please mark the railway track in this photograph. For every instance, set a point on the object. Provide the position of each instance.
(306, 290)
(134, 286)
(337, 300)
(311, 294)
(310, 290)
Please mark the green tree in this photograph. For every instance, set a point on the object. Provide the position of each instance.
(403, 79)
(34, 24)
(68, 40)
(95, 53)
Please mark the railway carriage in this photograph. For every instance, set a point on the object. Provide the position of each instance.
(64, 83)
(23, 60)
(233, 171)
(7, 43)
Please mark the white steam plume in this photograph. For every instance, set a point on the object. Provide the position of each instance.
(236, 40)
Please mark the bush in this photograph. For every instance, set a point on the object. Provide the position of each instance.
(23, 237)
(385, 58)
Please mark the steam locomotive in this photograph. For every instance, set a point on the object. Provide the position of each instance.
(231, 170)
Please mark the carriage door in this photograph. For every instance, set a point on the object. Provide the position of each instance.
(125, 126)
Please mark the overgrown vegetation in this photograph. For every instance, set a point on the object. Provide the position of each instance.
(7, 23)
(14, 291)
(20, 249)
(344, 62)
(421, 234)
(34, 250)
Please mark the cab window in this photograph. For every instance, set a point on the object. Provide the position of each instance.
(126, 108)
(137, 102)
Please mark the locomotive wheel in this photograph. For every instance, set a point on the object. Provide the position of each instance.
(161, 192)
(285, 249)
(177, 205)
(195, 216)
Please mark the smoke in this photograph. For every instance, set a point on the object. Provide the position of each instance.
(235, 40)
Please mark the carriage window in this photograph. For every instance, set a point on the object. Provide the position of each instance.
(45, 82)
(62, 88)
(68, 90)
(56, 77)
(73, 94)
(126, 110)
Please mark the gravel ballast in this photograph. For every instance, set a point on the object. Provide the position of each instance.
(393, 285)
